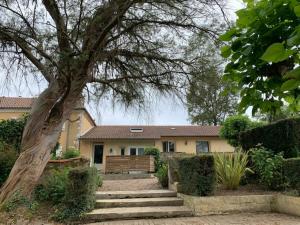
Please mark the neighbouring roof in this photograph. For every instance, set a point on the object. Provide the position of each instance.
(14, 103)
(150, 132)
(22, 103)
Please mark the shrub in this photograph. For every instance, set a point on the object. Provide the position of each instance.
(18, 200)
(162, 175)
(71, 153)
(269, 168)
(53, 187)
(156, 153)
(233, 126)
(8, 156)
(282, 136)
(79, 195)
(197, 175)
(11, 131)
(230, 168)
(291, 170)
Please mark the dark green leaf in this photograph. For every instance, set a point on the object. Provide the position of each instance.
(276, 53)
(290, 85)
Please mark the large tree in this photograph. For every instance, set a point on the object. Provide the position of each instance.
(263, 49)
(120, 48)
(208, 101)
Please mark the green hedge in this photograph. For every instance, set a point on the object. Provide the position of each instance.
(80, 193)
(8, 156)
(291, 170)
(282, 136)
(197, 175)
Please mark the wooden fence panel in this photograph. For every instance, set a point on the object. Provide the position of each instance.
(127, 163)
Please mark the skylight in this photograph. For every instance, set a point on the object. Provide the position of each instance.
(136, 130)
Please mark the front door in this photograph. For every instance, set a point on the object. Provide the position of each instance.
(98, 156)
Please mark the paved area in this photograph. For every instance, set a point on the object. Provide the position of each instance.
(130, 185)
(232, 219)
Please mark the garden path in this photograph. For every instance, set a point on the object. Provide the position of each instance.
(232, 219)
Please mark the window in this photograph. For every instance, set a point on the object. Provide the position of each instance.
(202, 147)
(136, 151)
(98, 154)
(168, 146)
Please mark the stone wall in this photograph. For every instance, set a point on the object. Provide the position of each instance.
(242, 204)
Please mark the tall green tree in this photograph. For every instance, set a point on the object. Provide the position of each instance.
(207, 101)
(263, 49)
(117, 48)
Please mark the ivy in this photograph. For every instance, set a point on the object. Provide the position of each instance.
(11, 131)
(263, 55)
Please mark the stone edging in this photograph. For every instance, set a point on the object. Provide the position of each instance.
(246, 203)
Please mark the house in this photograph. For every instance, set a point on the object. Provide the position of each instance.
(102, 141)
(79, 122)
(98, 142)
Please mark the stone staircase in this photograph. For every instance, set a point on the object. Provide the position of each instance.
(117, 205)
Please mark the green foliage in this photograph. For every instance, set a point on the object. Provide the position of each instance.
(71, 153)
(206, 101)
(8, 156)
(18, 200)
(197, 175)
(80, 194)
(156, 153)
(53, 187)
(291, 171)
(162, 175)
(233, 126)
(282, 136)
(11, 131)
(269, 168)
(263, 55)
(231, 168)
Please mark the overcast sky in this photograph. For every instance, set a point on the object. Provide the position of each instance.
(162, 110)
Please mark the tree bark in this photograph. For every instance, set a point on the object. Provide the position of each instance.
(43, 128)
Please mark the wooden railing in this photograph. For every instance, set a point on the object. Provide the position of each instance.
(128, 163)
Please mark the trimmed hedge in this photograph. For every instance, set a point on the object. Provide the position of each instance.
(291, 170)
(197, 175)
(282, 136)
(80, 193)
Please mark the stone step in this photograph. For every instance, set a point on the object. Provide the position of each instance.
(98, 215)
(135, 194)
(139, 202)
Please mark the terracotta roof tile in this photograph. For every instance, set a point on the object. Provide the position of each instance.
(150, 132)
(21, 103)
(15, 102)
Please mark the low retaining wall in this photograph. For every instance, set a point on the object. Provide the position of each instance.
(247, 203)
(228, 204)
(287, 204)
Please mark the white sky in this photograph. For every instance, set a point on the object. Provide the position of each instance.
(162, 111)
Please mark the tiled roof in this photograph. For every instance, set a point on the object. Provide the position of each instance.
(16, 102)
(21, 103)
(150, 132)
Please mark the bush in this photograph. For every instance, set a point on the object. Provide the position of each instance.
(156, 153)
(233, 126)
(71, 153)
(282, 136)
(197, 175)
(231, 168)
(53, 187)
(269, 168)
(162, 175)
(291, 171)
(80, 194)
(8, 157)
(11, 131)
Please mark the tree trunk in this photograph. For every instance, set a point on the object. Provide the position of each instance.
(40, 135)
